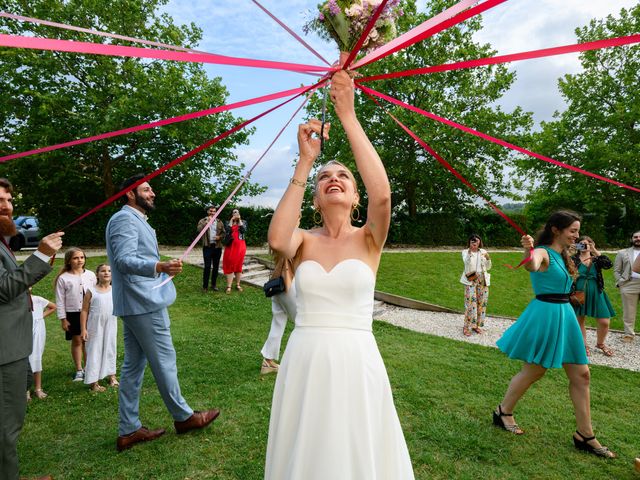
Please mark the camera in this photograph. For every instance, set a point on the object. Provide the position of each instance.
(581, 246)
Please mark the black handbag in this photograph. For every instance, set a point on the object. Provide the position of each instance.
(228, 238)
(273, 287)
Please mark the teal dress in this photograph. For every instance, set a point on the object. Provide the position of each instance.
(547, 334)
(596, 303)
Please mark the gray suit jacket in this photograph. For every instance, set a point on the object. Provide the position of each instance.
(622, 266)
(133, 252)
(16, 323)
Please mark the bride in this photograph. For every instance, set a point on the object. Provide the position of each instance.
(333, 415)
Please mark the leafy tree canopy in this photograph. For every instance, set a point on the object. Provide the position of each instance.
(53, 97)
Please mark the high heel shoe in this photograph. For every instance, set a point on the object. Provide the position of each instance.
(585, 446)
(498, 422)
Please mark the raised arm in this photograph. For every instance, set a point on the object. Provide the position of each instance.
(539, 256)
(367, 159)
(284, 236)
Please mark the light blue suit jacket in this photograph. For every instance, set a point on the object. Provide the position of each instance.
(133, 252)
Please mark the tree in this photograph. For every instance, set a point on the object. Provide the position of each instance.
(599, 132)
(418, 182)
(52, 97)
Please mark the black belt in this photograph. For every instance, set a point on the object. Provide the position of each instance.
(553, 297)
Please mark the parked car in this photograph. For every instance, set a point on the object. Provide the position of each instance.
(28, 233)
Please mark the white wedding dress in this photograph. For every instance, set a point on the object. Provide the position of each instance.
(333, 416)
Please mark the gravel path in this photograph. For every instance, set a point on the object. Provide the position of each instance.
(627, 355)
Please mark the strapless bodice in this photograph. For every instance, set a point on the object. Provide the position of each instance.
(340, 298)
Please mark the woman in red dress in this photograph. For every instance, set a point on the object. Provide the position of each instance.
(234, 253)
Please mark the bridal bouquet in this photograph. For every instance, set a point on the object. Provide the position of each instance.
(345, 20)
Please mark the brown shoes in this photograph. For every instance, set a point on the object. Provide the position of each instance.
(197, 420)
(143, 434)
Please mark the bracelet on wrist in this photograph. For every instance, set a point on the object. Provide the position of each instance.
(298, 183)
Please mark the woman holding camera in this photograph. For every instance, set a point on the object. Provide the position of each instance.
(235, 249)
(475, 279)
(596, 304)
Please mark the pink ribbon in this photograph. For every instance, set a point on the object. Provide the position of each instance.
(493, 139)
(291, 32)
(18, 41)
(97, 32)
(429, 28)
(159, 123)
(513, 57)
(232, 194)
(364, 35)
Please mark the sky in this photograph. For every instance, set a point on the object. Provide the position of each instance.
(240, 28)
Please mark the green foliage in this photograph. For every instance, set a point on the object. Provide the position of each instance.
(444, 392)
(599, 132)
(418, 182)
(53, 97)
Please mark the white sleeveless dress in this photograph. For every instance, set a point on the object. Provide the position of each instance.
(333, 416)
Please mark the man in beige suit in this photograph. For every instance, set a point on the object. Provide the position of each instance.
(628, 282)
(16, 328)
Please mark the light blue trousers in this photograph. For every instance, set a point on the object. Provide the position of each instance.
(147, 337)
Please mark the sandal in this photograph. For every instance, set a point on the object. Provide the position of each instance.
(478, 330)
(466, 332)
(97, 388)
(228, 291)
(40, 394)
(585, 446)
(239, 288)
(498, 422)
(604, 349)
(114, 383)
(268, 366)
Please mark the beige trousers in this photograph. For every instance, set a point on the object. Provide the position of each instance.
(630, 293)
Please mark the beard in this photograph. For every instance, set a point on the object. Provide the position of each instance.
(146, 205)
(7, 227)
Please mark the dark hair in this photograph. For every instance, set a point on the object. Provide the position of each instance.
(66, 266)
(128, 182)
(210, 207)
(560, 220)
(630, 240)
(6, 184)
(474, 236)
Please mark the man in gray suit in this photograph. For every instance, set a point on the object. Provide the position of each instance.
(137, 272)
(16, 328)
(629, 284)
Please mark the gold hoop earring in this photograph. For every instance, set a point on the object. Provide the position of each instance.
(355, 213)
(317, 219)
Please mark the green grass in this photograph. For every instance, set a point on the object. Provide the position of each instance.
(434, 277)
(444, 392)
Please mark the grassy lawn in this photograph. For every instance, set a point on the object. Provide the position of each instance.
(444, 392)
(434, 277)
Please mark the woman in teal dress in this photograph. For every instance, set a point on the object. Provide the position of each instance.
(547, 334)
(590, 264)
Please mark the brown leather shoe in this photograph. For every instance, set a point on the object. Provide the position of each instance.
(143, 434)
(197, 420)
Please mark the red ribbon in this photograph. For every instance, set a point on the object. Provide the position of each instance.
(18, 41)
(187, 155)
(494, 139)
(159, 123)
(456, 174)
(513, 57)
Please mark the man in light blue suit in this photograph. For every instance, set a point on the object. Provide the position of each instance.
(133, 252)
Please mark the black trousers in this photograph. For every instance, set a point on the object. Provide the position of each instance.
(211, 256)
(13, 407)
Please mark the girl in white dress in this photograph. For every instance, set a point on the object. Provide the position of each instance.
(42, 308)
(333, 415)
(99, 329)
